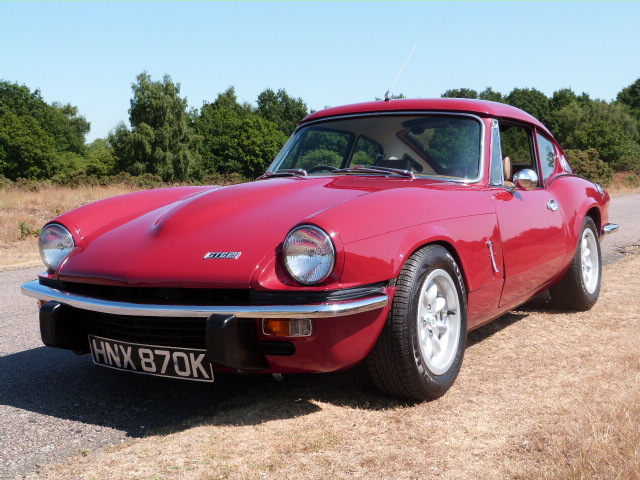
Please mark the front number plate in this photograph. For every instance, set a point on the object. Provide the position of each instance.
(184, 363)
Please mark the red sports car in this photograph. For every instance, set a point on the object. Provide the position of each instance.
(383, 232)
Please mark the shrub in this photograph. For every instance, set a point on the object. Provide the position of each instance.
(633, 180)
(587, 163)
(27, 184)
(148, 180)
(26, 230)
(5, 183)
(223, 179)
(78, 178)
(627, 164)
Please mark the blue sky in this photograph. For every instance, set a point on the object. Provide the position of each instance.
(328, 53)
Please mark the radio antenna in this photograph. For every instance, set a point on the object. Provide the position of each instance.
(387, 96)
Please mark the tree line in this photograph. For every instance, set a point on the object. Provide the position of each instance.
(168, 141)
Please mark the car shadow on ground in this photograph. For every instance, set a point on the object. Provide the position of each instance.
(60, 384)
(494, 327)
(540, 303)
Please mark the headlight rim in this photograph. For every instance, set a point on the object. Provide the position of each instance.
(331, 243)
(53, 267)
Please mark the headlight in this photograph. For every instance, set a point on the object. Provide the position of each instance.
(56, 243)
(309, 255)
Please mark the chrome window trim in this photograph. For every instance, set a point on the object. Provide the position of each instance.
(496, 145)
(321, 310)
(397, 113)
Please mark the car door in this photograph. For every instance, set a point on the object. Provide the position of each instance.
(530, 221)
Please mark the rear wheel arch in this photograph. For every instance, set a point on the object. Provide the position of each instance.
(596, 216)
(579, 288)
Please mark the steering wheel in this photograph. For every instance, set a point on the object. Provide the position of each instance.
(319, 168)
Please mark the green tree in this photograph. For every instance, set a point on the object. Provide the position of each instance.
(531, 101)
(69, 128)
(101, 160)
(162, 139)
(489, 94)
(235, 138)
(27, 150)
(630, 96)
(605, 127)
(281, 109)
(460, 93)
(37, 140)
(561, 98)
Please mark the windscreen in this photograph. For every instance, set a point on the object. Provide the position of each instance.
(432, 145)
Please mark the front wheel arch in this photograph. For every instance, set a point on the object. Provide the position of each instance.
(453, 252)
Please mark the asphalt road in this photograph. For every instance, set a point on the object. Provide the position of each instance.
(54, 404)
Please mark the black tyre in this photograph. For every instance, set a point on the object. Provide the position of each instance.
(419, 353)
(579, 289)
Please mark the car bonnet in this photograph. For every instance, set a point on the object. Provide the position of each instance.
(217, 238)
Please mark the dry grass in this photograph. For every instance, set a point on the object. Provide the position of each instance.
(593, 441)
(621, 185)
(541, 394)
(35, 209)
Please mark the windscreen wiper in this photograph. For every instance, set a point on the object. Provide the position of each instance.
(378, 170)
(285, 172)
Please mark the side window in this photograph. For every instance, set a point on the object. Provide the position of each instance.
(548, 156)
(517, 144)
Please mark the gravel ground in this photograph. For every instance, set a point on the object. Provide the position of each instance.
(54, 404)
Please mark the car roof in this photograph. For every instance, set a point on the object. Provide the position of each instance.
(478, 107)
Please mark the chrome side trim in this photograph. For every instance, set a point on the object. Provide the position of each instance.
(610, 228)
(493, 256)
(335, 309)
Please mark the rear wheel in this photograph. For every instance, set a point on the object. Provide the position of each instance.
(579, 289)
(419, 353)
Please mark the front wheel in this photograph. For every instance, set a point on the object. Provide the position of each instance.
(419, 353)
(579, 289)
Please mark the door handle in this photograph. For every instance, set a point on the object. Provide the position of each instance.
(553, 205)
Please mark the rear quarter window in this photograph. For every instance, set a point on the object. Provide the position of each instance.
(548, 156)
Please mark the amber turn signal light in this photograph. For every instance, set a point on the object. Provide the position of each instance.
(287, 327)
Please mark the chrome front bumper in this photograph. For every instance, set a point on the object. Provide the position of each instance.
(333, 309)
